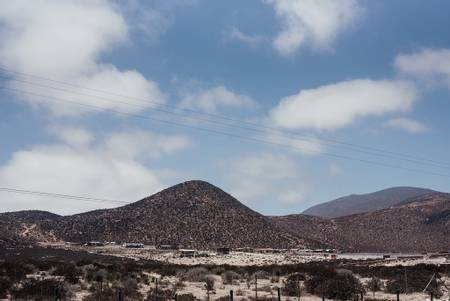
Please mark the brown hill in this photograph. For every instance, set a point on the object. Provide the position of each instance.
(420, 224)
(192, 214)
(24, 227)
(359, 203)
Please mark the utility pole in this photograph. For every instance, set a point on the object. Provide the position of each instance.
(406, 282)
(256, 287)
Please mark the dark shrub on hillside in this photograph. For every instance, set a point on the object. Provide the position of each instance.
(48, 289)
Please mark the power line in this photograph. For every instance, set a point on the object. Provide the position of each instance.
(259, 127)
(62, 196)
(213, 131)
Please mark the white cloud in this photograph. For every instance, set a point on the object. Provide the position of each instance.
(151, 18)
(210, 100)
(292, 197)
(235, 34)
(407, 124)
(73, 136)
(317, 22)
(142, 143)
(263, 176)
(64, 40)
(95, 170)
(265, 165)
(337, 105)
(429, 64)
(304, 145)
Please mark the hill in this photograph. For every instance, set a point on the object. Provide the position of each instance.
(359, 203)
(421, 224)
(192, 214)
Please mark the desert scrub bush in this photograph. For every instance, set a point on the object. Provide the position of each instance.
(160, 294)
(261, 275)
(48, 289)
(229, 276)
(342, 286)
(195, 274)
(70, 272)
(16, 271)
(416, 282)
(187, 297)
(5, 286)
(265, 288)
(292, 285)
(374, 285)
(107, 294)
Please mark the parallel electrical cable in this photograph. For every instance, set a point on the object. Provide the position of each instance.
(260, 130)
(213, 131)
(351, 146)
(62, 196)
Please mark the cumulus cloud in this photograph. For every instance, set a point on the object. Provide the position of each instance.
(95, 170)
(211, 100)
(407, 124)
(258, 177)
(338, 105)
(235, 34)
(151, 18)
(303, 145)
(316, 22)
(64, 40)
(431, 65)
(142, 143)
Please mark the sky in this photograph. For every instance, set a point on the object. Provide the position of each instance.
(282, 103)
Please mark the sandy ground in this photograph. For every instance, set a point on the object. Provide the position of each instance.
(251, 259)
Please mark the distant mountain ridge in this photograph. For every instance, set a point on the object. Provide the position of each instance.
(196, 214)
(360, 203)
(421, 224)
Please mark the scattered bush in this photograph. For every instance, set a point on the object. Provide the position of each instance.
(414, 283)
(48, 289)
(69, 271)
(342, 285)
(292, 285)
(374, 285)
(160, 294)
(229, 276)
(187, 297)
(5, 285)
(195, 275)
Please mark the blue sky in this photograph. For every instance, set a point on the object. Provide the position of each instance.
(373, 74)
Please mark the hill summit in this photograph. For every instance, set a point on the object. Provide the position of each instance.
(191, 214)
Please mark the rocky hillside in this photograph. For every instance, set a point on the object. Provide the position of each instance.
(359, 203)
(24, 227)
(193, 214)
(421, 224)
(199, 215)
